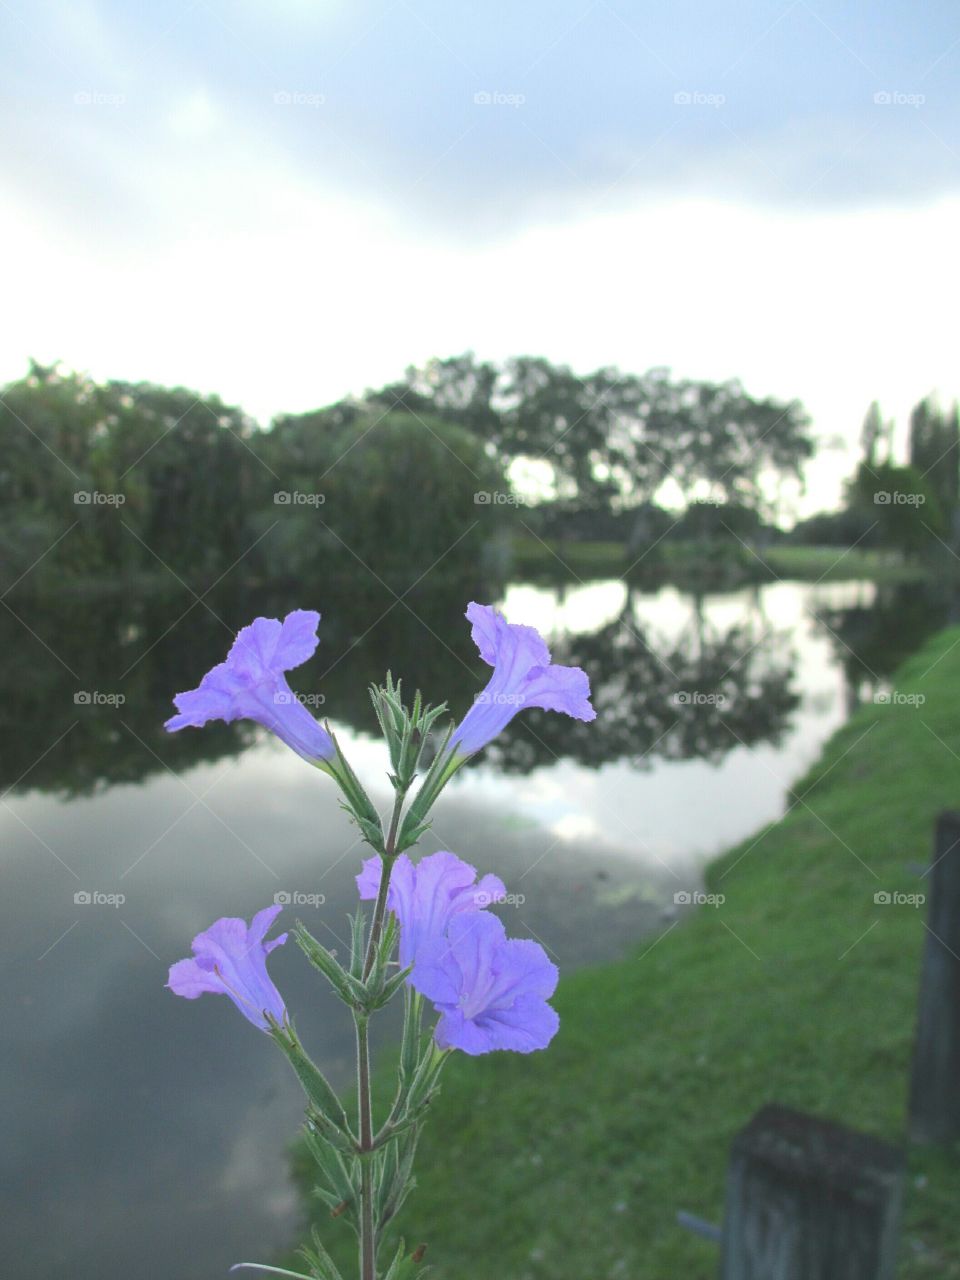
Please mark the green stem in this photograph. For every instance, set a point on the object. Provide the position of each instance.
(380, 909)
(368, 1243)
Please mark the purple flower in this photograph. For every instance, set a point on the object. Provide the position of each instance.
(490, 990)
(523, 676)
(250, 685)
(230, 959)
(426, 895)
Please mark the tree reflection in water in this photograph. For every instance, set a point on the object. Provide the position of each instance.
(71, 660)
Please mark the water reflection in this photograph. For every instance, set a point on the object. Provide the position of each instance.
(69, 659)
(877, 631)
(694, 695)
(89, 682)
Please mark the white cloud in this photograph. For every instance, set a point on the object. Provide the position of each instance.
(279, 297)
(195, 115)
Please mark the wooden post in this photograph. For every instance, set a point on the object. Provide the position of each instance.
(810, 1200)
(935, 1083)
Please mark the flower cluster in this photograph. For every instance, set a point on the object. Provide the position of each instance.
(490, 992)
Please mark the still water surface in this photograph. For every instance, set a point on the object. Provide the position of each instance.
(147, 1135)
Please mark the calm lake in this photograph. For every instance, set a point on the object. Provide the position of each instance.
(147, 1135)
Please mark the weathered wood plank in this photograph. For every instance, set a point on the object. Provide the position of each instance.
(810, 1200)
(935, 1081)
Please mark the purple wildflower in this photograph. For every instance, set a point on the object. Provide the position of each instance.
(523, 676)
(251, 685)
(425, 896)
(490, 990)
(230, 959)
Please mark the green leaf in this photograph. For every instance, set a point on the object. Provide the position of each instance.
(338, 1137)
(319, 1092)
(358, 935)
(404, 1266)
(402, 1182)
(275, 1271)
(412, 1034)
(347, 987)
(427, 1075)
(318, 1259)
(357, 803)
(391, 987)
(340, 1185)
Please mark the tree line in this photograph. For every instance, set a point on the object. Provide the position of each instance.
(101, 480)
(912, 506)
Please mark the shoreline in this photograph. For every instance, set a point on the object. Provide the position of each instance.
(799, 989)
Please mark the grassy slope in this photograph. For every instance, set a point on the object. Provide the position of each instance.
(573, 1162)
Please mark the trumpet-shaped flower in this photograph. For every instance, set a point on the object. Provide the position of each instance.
(523, 676)
(426, 895)
(230, 959)
(490, 990)
(250, 685)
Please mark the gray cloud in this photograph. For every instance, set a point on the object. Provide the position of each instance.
(475, 120)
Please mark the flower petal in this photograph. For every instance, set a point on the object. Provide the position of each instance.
(230, 959)
(454, 1031)
(492, 635)
(558, 688)
(298, 639)
(187, 979)
(436, 973)
(251, 654)
(261, 922)
(529, 1024)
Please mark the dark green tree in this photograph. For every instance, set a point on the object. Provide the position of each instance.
(906, 513)
(389, 494)
(935, 452)
(611, 437)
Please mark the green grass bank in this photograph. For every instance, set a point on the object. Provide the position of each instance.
(725, 564)
(798, 989)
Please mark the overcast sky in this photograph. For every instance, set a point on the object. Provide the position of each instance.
(287, 201)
